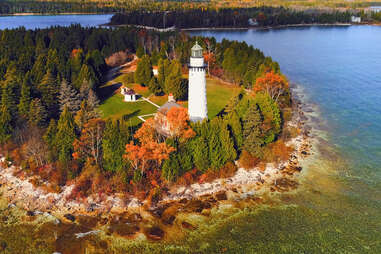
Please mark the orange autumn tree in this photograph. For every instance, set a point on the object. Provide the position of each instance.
(89, 144)
(178, 119)
(149, 152)
(271, 83)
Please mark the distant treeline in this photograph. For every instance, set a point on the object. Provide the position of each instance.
(197, 18)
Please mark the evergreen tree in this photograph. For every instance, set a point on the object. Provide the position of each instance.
(49, 92)
(50, 139)
(65, 136)
(174, 83)
(252, 134)
(235, 126)
(39, 68)
(229, 153)
(69, 97)
(200, 153)
(271, 116)
(114, 145)
(154, 86)
(86, 73)
(214, 144)
(140, 52)
(5, 124)
(163, 71)
(10, 89)
(37, 113)
(25, 98)
(171, 168)
(143, 73)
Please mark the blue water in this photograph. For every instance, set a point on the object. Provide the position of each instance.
(340, 69)
(338, 209)
(44, 21)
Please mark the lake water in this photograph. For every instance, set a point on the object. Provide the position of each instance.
(338, 206)
(339, 71)
(44, 21)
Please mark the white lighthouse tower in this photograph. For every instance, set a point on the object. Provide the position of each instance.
(197, 109)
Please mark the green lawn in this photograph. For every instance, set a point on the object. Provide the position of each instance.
(114, 107)
(218, 95)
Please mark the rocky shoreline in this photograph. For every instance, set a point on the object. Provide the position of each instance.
(111, 214)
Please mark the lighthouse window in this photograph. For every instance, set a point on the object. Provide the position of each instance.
(197, 53)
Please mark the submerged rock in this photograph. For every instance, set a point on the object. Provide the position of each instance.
(188, 225)
(30, 213)
(69, 217)
(155, 233)
(221, 195)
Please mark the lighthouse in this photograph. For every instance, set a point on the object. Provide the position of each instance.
(197, 109)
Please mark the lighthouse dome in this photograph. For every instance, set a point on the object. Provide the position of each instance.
(197, 50)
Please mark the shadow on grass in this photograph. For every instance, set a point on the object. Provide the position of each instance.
(127, 117)
(108, 91)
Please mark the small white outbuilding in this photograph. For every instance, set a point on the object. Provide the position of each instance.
(128, 93)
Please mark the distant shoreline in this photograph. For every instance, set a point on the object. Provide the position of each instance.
(53, 14)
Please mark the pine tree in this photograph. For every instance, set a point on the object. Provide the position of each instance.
(200, 153)
(49, 92)
(143, 73)
(140, 52)
(25, 98)
(10, 89)
(65, 136)
(69, 97)
(114, 142)
(50, 139)
(235, 126)
(229, 153)
(86, 73)
(174, 83)
(171, 168)
(214, 144)
(271, 116)
(154, 86)
(37, 113)
(252, 134)
(5, 124)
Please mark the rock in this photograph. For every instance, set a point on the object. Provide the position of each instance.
(188, 225)
(155, 233)
(92, 207)
(69, 217)
(93, 232)
(122, 229)
(30, 213)
(134, 218)
(221, 195)
(168, 219)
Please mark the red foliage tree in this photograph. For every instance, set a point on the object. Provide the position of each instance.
(271, 83)
(178, 124)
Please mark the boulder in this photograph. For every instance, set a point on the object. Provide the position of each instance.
(188, 225)
(69, 217)
(155, 233)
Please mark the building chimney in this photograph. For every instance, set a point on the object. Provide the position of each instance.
(171, 98)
